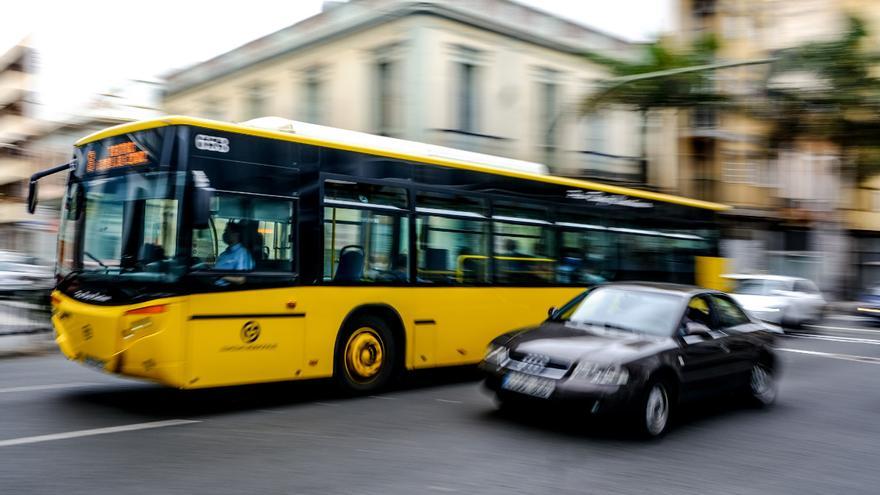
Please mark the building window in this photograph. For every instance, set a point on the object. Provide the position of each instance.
(875, 200)
(211, 109)
(467, 95)
(549, 98)
(313, 94)
(256, 101)
(738, 168)
(467, 98)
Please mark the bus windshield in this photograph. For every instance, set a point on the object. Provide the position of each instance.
(126, 224)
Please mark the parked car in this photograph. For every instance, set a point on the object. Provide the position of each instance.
(638, 349)
(20, 272)
(869, 303)
(786, 301)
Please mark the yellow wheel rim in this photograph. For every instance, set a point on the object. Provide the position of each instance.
(364, 354)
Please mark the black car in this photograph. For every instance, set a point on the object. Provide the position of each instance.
(638, 349)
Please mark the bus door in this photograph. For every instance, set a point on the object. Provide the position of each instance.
(246, 325)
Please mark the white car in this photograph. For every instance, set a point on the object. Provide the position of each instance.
(782, 300)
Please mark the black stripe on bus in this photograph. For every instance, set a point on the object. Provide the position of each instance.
(252, 315)
(425, 322)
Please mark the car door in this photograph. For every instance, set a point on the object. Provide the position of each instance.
(811, 300)
(738, 341)
(704, 357)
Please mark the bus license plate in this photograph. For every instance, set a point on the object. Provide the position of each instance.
(528, 385)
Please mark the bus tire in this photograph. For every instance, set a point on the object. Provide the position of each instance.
(365, 355)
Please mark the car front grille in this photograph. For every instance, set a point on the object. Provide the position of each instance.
(537, 364)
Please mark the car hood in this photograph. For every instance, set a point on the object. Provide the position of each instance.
(562, 342)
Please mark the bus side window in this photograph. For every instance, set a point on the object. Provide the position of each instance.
(586, 257)
(452, 250)
(365, 246)
(246, 233)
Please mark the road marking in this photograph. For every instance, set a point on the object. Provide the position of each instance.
(382, 397)
(95, 431)
(850, 340)
(845, 329)
(845, 357)
(449, 401)
(441, 488)
(51, 386)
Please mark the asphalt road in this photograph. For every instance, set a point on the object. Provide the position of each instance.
(67, 429)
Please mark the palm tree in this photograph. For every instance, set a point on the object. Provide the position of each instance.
(829, 90)
(673, 79)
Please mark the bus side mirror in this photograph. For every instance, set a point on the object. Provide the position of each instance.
(202, 207)
(32, 197)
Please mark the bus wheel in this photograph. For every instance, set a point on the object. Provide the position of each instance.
(365, 355)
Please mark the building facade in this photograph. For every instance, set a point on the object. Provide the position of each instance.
(794, 209)
(489, 76)
(29, 143)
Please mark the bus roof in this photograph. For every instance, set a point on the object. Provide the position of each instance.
(397, 148)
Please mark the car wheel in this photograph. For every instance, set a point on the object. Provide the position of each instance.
(365, 355)
(655, 411)
(762, 385)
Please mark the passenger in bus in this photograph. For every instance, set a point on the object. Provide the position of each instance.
(236, 256)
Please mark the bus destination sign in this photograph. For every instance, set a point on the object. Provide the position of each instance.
(119, 155)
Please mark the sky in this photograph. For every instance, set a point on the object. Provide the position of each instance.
(90, 46)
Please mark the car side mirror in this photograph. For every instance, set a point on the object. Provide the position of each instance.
(698, 329)
(32, 197)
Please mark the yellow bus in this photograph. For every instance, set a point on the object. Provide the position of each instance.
(198, 253)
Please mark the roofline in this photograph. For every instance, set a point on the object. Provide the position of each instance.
(410, 8)
(286, 136)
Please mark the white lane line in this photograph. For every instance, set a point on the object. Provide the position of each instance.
(845, 357)
(449, 401)
(50, 386)
(850, 340)
(844, 329)
(382, 397)
(95, 431)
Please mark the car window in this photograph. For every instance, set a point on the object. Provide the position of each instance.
(776, 285)
(806, 286)
(750, 286)
(699, 311)
(729, 314)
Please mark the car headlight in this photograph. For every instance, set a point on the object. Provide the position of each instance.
(600, 375)
(496, 354)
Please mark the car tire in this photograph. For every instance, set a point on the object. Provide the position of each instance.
(762, 388)
(365, 359)
(653, 416)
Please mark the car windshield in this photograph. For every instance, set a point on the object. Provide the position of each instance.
(626, 310)
(759, 286)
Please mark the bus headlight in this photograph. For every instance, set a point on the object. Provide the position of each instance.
(599, 374)
(496, 354)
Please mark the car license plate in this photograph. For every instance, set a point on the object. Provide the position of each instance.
(528, 385)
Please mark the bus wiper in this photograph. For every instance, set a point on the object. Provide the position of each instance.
(96, 260)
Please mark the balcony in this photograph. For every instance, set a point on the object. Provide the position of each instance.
(13, 169)
(13, 86)
(15, 128)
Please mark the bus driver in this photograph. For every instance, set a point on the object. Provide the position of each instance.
(236, 256)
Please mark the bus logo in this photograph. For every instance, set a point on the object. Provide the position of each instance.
(212, 143)
(250, 332)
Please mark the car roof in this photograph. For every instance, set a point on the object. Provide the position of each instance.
(669, 288)
(760, 276)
